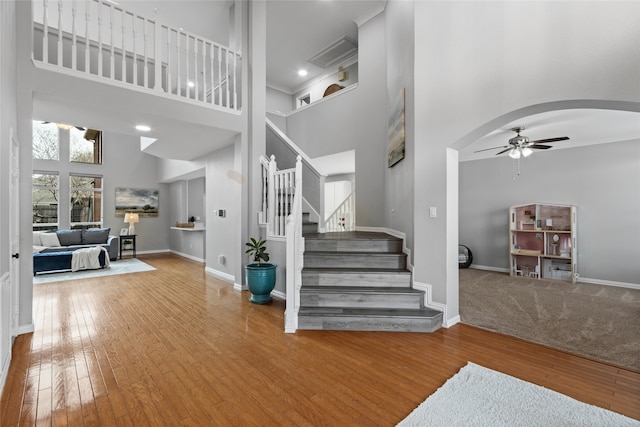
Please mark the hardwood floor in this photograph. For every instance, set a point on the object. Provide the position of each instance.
(175, 347)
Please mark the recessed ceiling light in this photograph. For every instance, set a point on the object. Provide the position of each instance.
(143, 128)
(190, 83)
(302, 73)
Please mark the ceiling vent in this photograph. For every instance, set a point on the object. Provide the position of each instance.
(336, 52)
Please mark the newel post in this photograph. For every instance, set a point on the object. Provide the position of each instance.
(157, 51)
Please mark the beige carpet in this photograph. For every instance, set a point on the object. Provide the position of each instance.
(599, 322)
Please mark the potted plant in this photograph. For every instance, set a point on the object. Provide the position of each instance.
(260, 275)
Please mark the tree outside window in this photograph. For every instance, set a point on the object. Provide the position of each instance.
(85, 146)
(86, 201)
(45, 141)
(45, 200)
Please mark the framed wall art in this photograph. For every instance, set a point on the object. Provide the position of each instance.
(142, 201)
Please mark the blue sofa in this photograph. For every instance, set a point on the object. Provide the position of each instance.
(57, 261)
(70, 240)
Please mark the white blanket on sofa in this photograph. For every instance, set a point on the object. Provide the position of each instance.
(88, 258)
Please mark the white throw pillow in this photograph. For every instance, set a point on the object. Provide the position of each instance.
(49, 239)
(36, 238)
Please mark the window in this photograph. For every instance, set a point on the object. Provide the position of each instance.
(86, 201)
(45, 141)
(85, 146)
(45, 196)
(304, 100)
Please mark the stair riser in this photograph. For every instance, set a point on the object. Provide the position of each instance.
(315, 278)
(310, 228)
(379, 261)
(353, 245)
(357, 323)
(354, 300)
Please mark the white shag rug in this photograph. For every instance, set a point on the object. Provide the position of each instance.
(477, 396)
(122, 266)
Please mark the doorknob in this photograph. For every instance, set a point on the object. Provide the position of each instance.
(16, 255)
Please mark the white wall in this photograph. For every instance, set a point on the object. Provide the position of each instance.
(603, 181)
(474, 62)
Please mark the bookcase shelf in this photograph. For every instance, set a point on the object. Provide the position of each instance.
(543, 241)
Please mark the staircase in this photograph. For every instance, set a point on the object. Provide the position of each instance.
(359, 281)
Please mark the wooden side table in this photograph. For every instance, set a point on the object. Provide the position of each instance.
(132, 239)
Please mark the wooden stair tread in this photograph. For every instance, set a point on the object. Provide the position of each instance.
(352, 235)
(358, 253)
(360, 289)
(370, 312)
(355, 270)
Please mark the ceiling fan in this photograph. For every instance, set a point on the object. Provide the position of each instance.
(521, 146)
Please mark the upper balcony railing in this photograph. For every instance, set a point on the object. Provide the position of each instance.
(102, 40)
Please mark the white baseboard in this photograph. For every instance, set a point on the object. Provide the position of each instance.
(25, 329)
(609, 283)
(191, 257)
(279, 295)
(430, 303)
(489, 268)
(580, 279)
(220, 275)
(155, 251)
(239, 287)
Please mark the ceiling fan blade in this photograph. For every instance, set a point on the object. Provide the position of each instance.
(540, 147)
(546, 141)
(504, 151)
(493, 148)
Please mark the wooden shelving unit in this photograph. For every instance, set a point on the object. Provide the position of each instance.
(543, 241)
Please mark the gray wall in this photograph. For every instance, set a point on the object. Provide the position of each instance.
(398, 197)
(354, 120)
(467, 74)
(603, 181)
(124, 165)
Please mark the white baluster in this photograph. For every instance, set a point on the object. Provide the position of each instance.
(203, 72)
(60, 36)
(134, 51)
(45, 32)
(100, 71)
(195, 67)
(235, 79)
(219, 76)
(74, 49)
(188, 51)
(144, 52)
(211, 69)
(227, 76)
(87, 43)
(178, 59)
(169, 74)
(123, 24)
(112, 59)
(157, 53)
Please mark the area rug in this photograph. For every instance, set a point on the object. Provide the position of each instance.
(477, 396)
(123, 266)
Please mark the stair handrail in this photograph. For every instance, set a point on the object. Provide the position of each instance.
(342, 218)
(295, 252)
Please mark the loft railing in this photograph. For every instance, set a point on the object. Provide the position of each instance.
(343, 217)
(96, 38)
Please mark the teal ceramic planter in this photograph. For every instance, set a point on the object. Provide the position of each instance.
(261, 279)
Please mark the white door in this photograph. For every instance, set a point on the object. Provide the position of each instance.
(14, 220)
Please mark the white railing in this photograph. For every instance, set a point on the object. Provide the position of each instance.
(98, 38)
(277, 201)
(343, 218)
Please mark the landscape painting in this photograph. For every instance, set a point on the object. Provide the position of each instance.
(137, 200)
(396, 131)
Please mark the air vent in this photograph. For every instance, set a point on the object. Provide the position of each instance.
(334, 53)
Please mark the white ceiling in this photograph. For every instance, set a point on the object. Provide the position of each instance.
(297, 30)
(582, 125)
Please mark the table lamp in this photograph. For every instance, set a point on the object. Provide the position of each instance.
(131, 218)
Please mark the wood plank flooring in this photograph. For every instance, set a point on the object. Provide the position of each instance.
(175, 347)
